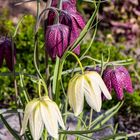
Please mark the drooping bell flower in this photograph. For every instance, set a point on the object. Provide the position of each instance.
(118, 79)
(57, 40)
(39, 113)
(70, 17)
(89, 85)
(6, 52)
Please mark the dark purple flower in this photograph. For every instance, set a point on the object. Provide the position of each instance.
(57, 40)
(6, 52)
(118, 79)
(70, 17)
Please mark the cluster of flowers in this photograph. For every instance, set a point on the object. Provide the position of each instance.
(60, 35)
(92, 86)
(44, 112)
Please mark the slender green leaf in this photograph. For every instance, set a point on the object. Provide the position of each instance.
(16, 136)
(55, 75)
(17, 27)
(101, 117)
(82, 131)
(107, 117)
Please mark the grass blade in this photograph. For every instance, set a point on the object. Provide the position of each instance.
(16, 136)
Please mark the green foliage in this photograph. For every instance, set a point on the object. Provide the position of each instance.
(6, 26)
(132, 102)
(99, 48)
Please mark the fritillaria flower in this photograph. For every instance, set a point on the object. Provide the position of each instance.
(39, 113)
(118, 79)
(89, 85)
(57, 38)
(6, 52)
(70, 18)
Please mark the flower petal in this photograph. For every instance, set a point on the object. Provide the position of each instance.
(48, 117)
(102, 85)
(117, 84)
(127, 84)
(28, 110)
(37, 123)
(107, 79)
(92, 93)
(76, 94)
(58, 116)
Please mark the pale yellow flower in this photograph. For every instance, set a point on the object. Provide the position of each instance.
(42, 112)
(89, 85)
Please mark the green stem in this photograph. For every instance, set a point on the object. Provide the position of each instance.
(17, 27)
(102, 65)
(90, 118)
(35, 60)
(58, 84)
(66, 102)
(79, 121)
(38, 9)
(60, 5)
(79, 118)
(27, 98)
(89, 57)
(39, 89)
(36, 36)
(17, 97)
(91, 42)
(40, 83)
(78, 60)
(45, 87)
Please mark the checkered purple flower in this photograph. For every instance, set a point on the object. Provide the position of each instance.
(69, 17)
(6, 52)
(57, 40)
(118, 79)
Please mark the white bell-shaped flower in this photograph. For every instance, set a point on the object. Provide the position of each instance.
(89, 85)
(42, 112)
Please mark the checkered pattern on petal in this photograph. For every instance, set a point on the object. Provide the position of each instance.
(117, 83)
(127, 84)
(107, 78)
(56, 40)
